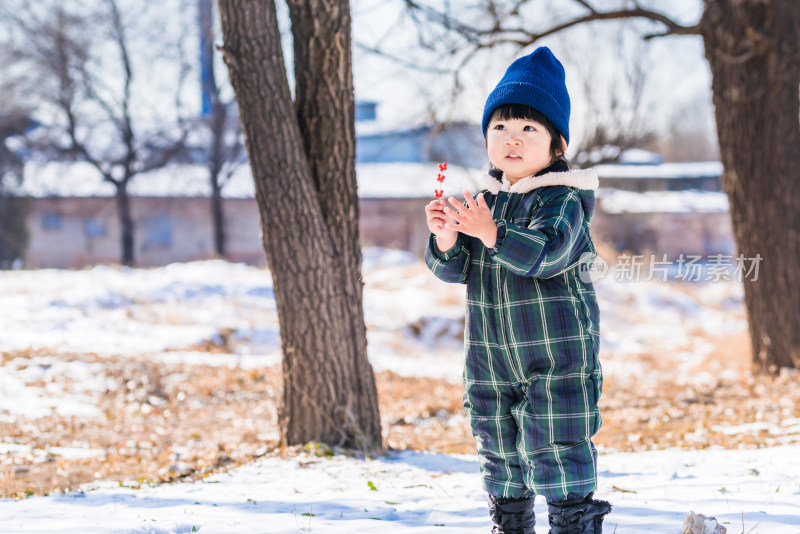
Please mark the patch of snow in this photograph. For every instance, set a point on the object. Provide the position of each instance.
(110, 311)
(699, 169)
(20, 399)
(378, 257)
(637, 156)
(622, 201)
(424, 493)
(242, 361)
(639, 315)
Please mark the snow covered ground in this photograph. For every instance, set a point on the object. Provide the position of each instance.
(162, 313)
(751, 491)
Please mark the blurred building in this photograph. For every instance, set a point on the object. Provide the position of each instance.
(72, 218)
(458, 143)
(643, 205)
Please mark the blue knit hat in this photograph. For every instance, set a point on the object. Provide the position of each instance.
(536, 80)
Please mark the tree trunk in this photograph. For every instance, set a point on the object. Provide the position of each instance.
(217, 216)
(126, 224)
(752, 48)
(13, 209)
(215, 114)
(14, 236)
(305, 189)
(217, 122)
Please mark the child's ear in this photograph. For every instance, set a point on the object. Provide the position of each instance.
(563, 145)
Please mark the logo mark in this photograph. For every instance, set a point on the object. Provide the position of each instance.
(592, 267)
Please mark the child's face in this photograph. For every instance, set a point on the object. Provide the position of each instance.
(518, 147)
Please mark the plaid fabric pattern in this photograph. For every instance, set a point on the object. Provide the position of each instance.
(532, 378)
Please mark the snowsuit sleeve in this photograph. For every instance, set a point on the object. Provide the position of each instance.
(552, 241)
(452, 265)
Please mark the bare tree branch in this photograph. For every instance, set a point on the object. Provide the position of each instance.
(673, 28)
(125, 122)
(518, 35)
(444, 19)
(400, 60)
(166, 155)
(588, 6)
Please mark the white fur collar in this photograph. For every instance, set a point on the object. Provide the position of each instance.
(582, 179)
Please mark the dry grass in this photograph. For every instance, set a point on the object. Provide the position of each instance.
(427, 414)
(674, 414)
(163, 422)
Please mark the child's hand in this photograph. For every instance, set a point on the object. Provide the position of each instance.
(474, 219)
(437, 221)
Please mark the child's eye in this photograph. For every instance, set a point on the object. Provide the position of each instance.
(499, 127)
(529, 129)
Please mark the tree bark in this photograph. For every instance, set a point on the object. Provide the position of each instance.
(753, 49)
(305, 189)
(13, 209)
(217, 125)
(215, 114)
(126, 223)
(217, 218)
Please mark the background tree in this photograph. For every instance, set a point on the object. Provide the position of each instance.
(754, 55)
(302, 155)
(690, 133)
(618, 99)
(77, 65)
(13, 208)
(224, 150)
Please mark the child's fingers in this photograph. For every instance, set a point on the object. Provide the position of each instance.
(459, 206)
(436, 223)
(470, 201)
(454, 214)
(481, 201)
(440, 216)
(437, 217)
(434, 209)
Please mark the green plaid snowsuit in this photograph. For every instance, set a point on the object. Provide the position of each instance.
(531, 376)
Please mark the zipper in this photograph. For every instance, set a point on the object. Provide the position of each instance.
(504, 197)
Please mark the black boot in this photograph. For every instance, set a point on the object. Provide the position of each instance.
(579, 516)
(512, 516)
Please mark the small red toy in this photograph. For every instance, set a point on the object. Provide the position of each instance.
(440, 177)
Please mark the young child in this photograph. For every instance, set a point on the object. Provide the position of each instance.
(532, 378)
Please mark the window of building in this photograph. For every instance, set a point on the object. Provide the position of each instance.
(94, 227)
(52, 221)
(157, 232)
